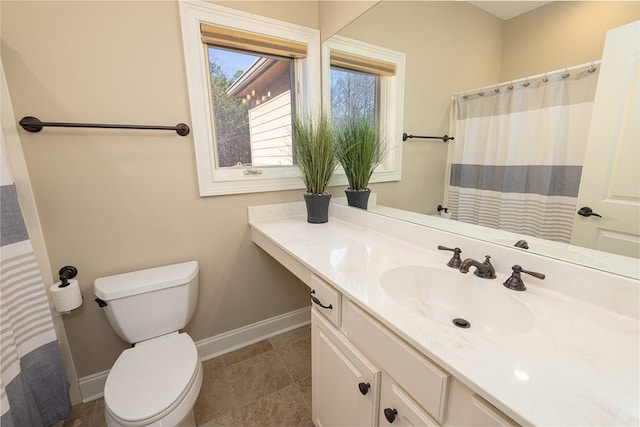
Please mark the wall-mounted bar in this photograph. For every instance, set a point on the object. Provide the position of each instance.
(33, 124)
(443, 138)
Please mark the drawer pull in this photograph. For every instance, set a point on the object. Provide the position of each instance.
(317, 301)
(364, 388)
(390, 414)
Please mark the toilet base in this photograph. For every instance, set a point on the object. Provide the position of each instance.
(188, 421)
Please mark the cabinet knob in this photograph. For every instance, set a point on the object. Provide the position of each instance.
(390, 414)
(364, 388)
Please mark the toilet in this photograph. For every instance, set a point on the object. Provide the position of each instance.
(155, 382)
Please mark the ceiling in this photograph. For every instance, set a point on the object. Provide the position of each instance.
(508, 9)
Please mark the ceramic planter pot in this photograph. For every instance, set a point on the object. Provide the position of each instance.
(358, 198)
(317, 207)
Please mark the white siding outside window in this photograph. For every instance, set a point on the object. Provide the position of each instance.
(270, 143)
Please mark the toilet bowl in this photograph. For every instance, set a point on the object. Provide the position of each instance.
(157, 381)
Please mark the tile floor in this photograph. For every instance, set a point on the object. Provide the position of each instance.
(265, 384)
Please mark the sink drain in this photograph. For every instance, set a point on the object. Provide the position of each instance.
(461, 323)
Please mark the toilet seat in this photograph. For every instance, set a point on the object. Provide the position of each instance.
(152, 379)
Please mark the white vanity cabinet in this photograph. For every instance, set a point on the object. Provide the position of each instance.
(427, 372)
(365, 375)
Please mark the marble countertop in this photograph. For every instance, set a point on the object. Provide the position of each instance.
(577, 365)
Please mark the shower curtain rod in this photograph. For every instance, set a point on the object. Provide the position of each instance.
(33, 124)
(588, 65)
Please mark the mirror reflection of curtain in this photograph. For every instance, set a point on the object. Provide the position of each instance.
(34, 389)
(517, 156)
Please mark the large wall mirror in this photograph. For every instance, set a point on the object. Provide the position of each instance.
(452, 47)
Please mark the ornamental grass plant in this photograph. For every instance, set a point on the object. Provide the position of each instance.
(358, 150)
(314, 151)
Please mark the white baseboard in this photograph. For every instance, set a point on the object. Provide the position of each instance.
(218, 345)
(92, 386)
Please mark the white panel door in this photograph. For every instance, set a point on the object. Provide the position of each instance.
(345, 383)
(610, 184)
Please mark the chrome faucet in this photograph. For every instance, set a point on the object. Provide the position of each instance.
(483, 269)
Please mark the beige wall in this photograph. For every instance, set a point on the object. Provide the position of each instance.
(334, 15)
(561, 34)
(111, 201)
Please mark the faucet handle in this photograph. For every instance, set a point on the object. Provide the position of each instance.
(455, 261)
(515, 281)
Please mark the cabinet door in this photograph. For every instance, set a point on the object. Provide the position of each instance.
(397, 408)
(345, 383)
(485, 414)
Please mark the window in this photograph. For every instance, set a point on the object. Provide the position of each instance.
(247, 76)
(368, 79)
(253, 103)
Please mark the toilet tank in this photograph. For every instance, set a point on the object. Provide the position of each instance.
(148, 303)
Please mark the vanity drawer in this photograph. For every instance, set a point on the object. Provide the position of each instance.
(426, 382)
(326, 299)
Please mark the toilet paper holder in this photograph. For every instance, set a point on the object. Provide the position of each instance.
(66, 273)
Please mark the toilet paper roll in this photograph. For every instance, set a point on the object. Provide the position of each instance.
(66, 298)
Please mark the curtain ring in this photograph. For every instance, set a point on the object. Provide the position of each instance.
(526, 83)
(465, 96)
(481, 93)
(510, 87)
(545, 79)
(591, 69)
(566, 74)
(497, 89)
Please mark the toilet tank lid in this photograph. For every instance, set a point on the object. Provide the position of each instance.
(141, 281)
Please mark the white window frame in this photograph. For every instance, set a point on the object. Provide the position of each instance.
(391, 102)
(219, 181)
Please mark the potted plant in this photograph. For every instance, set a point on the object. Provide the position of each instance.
(314, 151)
(359, 152)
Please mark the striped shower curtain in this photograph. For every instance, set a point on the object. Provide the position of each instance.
(34, 390)
(517, 157)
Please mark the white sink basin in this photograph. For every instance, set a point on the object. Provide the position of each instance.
(445, 295)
